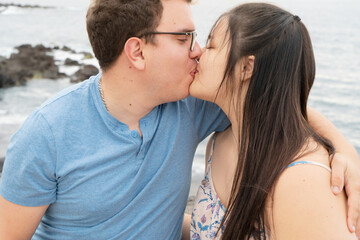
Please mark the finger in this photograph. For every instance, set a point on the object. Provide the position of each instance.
(353, 213)
(358, 228)
(353, 193)
(338, 168)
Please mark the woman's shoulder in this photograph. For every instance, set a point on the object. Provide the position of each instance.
(303, 205)
(306, 178)
(311, 168)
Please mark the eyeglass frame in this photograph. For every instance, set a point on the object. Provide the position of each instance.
(193, 35)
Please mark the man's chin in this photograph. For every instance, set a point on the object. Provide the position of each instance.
(185, 96)
(179, 97)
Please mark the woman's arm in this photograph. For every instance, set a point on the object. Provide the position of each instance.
(345, 166)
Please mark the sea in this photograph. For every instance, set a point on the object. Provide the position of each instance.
(334, 27)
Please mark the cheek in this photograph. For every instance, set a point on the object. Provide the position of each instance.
(178, 66)
(203, 86)
(212, 73)
(208, 80)
(167, 70)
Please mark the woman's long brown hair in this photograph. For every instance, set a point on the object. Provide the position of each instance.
(274, 125)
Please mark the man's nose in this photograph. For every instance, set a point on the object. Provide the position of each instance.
(196, 52)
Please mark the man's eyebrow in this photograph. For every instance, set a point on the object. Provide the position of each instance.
(187, 30)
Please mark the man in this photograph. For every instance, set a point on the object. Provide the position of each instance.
(111, 158)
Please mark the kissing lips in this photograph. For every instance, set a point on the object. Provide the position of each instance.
(193, 72)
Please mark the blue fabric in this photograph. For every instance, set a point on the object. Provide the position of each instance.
(297, 163)
(309, 163)
(102, 180)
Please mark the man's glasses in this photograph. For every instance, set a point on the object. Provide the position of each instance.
(191, 34)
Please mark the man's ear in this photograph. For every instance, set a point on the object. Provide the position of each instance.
(247, 67)
(133, 49)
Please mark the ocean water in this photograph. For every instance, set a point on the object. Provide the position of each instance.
(333, 25)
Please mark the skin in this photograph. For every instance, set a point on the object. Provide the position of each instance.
(138, 81)
(211, 68)
(304, 206)
(327, 218)
(132, 88)
(19, 222)
(173, 52)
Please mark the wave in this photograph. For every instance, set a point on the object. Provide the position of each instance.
(12, 119)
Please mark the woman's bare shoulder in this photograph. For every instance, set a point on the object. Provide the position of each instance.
(304, 206)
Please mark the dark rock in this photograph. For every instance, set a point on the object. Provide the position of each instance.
(26, 48)
(66, 49)
(2, 159)
(23, 47)
(28, 63)
(52, 73)
(23, 5)
(6, 81)
(87, 55)
(84, 73)
(42, 48)
(70, 62)
(36, 62)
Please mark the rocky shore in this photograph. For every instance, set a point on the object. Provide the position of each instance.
(6, 5)
(30, 62)
(39, 62)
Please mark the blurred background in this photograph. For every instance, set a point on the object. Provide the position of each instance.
(333, 25)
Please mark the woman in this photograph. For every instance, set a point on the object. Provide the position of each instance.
(267, 176)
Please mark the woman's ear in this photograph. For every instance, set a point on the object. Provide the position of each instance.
(248, 67)
(134, 51)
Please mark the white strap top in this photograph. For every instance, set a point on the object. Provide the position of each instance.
(208, 211)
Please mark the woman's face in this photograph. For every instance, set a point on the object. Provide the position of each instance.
(211, 66)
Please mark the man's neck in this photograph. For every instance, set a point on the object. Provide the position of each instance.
(125, 97)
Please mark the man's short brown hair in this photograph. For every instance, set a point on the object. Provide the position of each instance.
(110, 23)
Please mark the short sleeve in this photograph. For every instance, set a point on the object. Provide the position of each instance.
(207, 117)
(29, 177)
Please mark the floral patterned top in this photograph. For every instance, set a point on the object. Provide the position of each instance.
(208, 211)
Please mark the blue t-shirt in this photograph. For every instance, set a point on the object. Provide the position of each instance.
(102, 180)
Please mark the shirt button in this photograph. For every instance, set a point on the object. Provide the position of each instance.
(134, 134)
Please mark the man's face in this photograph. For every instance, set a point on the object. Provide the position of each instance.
(171, 65)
